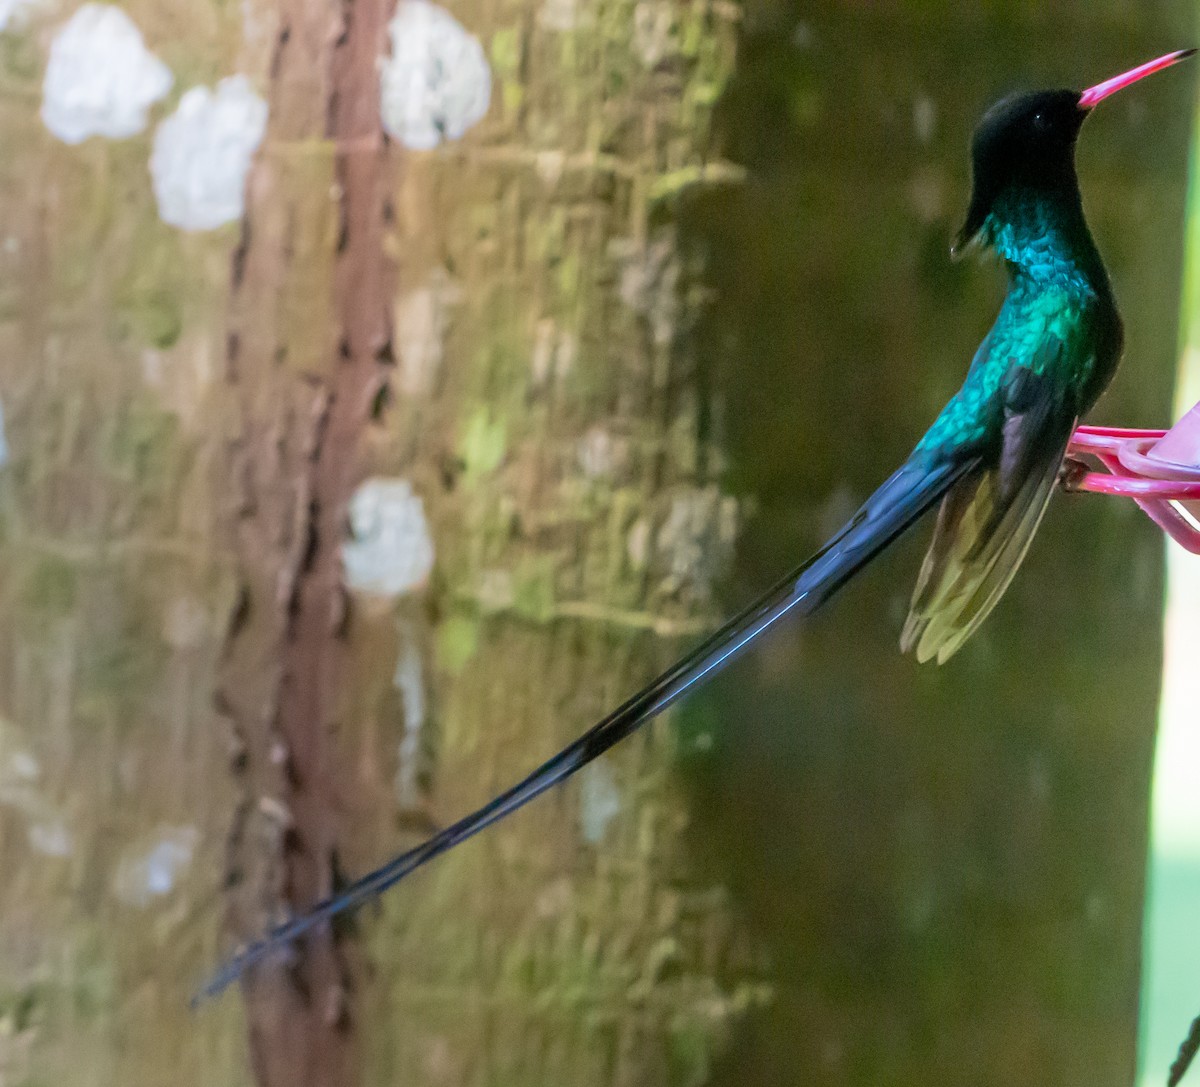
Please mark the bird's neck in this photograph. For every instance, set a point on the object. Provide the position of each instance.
(1045, 240)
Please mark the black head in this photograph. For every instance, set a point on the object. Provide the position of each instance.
(1027, 142)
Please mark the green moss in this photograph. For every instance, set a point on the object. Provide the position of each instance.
(533, 587)
(19, 1009)
(20, 57)
(457, 643)
(51, 587)
(512, 94)
(676, 181)
(545, 234)
(144, 445)
(481, 446)
(117, 675)
(153, 316)
(506, 52)
(92, 979)
(691, 1047)
(569, 272)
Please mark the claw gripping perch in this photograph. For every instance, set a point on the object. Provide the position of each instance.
(1158, 469)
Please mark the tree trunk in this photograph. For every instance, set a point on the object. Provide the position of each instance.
(310, 335)
(545, 409)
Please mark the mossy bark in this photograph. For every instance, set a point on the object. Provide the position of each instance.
(545, 406)
(173, 506)
(114, 592)
(548, 407)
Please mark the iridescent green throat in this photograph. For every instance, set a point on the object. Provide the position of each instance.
(1046, 242)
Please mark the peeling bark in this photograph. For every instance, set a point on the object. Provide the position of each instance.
(304, 382)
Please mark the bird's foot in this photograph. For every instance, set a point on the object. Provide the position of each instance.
(1072, 473)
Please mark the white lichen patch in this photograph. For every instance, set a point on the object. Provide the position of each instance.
(597, 452)
(202, 154)
(182, 374)
(696, 537)
(50, 839)
(925, 117)
(13, 13)
(553, 354)
(654, 32)
(649, 282)
(599, 800)
(637, 545)
(391, 552)
(422, 319)
(21, 791)
(22, 766)
(437, 83)
(100, 79)
(409, 681)
(560, 15)
(495, 590)
(185, 623)
(152, 873)
(550, 165)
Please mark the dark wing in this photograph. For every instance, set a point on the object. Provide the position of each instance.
(986, 523)
(910, 492)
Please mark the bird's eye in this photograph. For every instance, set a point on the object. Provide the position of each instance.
(1040, 122)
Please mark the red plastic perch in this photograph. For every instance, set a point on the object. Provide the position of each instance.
(1158, 469)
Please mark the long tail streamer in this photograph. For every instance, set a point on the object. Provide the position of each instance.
(895, 506)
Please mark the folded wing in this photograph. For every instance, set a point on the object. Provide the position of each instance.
(987, 521)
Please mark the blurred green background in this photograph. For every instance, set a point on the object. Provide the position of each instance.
(947, 866)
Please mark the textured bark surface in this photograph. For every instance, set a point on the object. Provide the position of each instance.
(309, 339)
(114, 591)
(171, 509)
(546, 409)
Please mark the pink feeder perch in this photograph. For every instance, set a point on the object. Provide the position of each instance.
(1158, 469)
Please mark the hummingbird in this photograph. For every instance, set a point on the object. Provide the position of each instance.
(989, 461)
